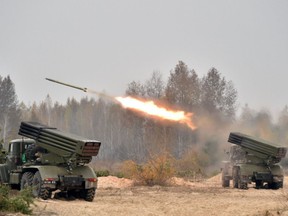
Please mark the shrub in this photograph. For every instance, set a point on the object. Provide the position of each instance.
(4, 191)
(130, 169)
(119, 174)
(192, 165)
(19, 203)
(156, 171)
(101, 173)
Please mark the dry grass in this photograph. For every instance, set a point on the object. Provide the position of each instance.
(156, 171)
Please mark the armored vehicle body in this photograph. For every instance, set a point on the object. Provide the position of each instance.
(48, 160)
(253, 160)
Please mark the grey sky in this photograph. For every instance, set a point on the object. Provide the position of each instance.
(104, 45)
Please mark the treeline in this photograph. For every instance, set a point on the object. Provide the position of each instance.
(127, 135)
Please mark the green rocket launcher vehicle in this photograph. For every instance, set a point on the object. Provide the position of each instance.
(253, 160)
(48, 159)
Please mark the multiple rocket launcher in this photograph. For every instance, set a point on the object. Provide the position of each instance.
(60, 143)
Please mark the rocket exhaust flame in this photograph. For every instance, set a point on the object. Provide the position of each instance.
(145, 107)
(150, 108)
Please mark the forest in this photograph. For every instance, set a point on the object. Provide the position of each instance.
(129, 135)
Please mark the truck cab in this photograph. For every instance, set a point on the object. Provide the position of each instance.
(17, 148)
(13, 161)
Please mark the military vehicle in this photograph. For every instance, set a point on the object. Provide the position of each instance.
(48, 160)
(253, 160)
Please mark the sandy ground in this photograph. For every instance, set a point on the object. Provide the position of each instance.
(119, 197)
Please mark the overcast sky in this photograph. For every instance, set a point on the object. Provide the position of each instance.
(104, 45)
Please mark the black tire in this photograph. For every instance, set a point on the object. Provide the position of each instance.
(37, 187)
(236, 177)
(26, 180)
(275, 185)
(89, 194)
(258, 184)
(243, 185)
(225, 183)
(280, 184)
(235, 183)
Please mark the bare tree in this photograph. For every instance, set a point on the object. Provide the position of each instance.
(154, 87)
(183, 87)
(9, 113)
(218, 97)
(135, 89)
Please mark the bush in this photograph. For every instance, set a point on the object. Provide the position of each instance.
(156, 171)
(19, 203)
(192, 165)
(101, 173)
(119, 175)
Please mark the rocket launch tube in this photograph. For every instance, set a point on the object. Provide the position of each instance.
(72, 86)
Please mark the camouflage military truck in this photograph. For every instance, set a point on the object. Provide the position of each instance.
(49, 160)
(253, 160)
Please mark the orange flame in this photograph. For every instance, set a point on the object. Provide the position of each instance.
(150, 108)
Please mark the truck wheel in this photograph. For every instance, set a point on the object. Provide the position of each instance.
(225, 183)
(275, 185)
(243, 185)
(280, 184)
(89, 194)
(235, 182)
(37, 189)
(26, 180)
(259, 184)
(235, 177)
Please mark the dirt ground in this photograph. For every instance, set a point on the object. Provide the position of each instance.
(207, 197)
